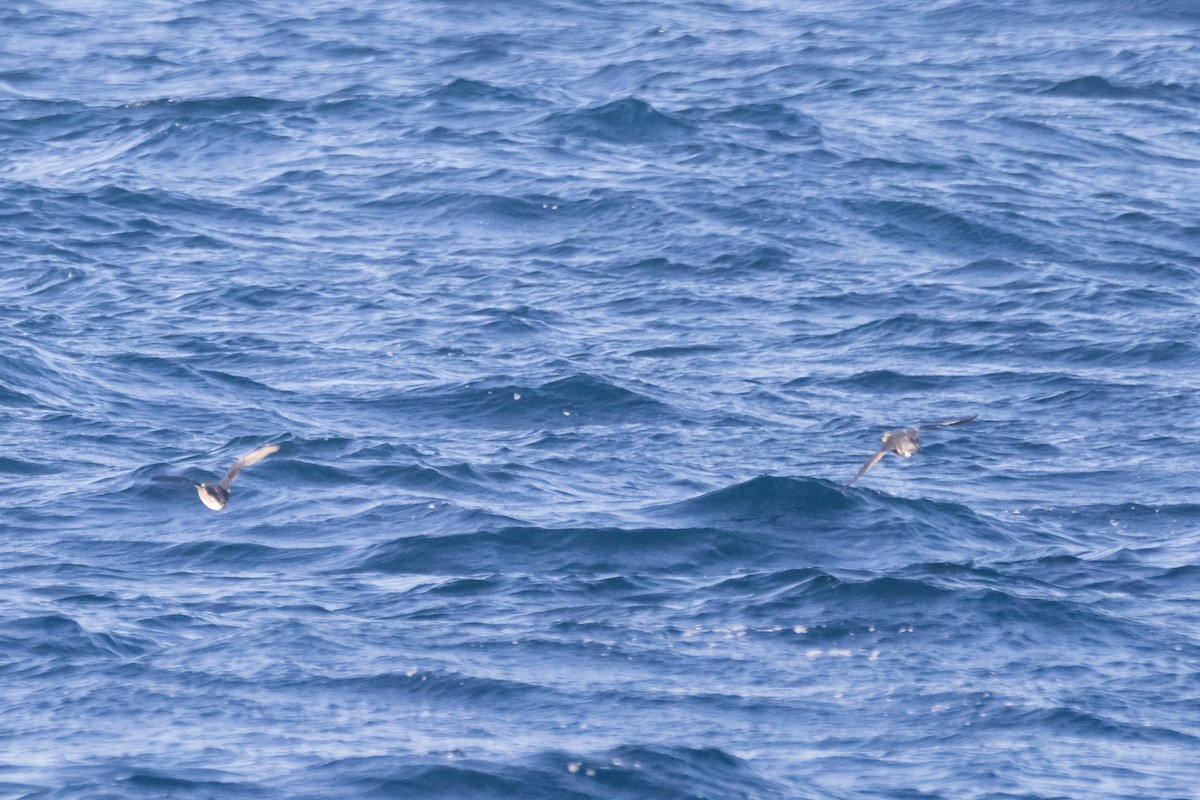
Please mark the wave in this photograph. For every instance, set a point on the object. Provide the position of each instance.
(627, 771)
(1097, 87)
(746, 526)
(565, 402)
(245, 555)
(771, 499)
(767, 498)
(184, 780)
(626, 121)
(942, 230)
(117, 777)
(46, 643)
(770, 125)
(19, 466)
(1075, 722)
(476, 93)
(447, 686)
(584, 551)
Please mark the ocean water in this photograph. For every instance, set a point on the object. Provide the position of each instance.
(570, 318)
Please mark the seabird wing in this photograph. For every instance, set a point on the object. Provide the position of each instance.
(248, 460)
(870, 463)
(962, 421)
(174, 479)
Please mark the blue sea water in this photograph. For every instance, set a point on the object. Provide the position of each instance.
(570, 318)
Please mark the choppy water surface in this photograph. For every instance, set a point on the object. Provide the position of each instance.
(570, 317)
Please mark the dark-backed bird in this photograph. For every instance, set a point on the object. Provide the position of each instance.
(904, 442)
(216, 495)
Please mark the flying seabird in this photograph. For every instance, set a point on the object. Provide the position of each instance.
(216, 495)
(904, 442)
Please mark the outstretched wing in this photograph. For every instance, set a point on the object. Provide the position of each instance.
(870, 463)
(951, 422)
(175, 479)
(248, 460)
